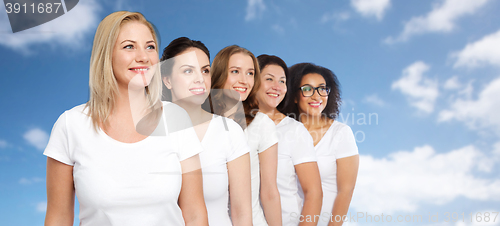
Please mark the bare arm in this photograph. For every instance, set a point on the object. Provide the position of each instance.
(269, 194)
(191, 200)
(240, 192)
(60, 194)
(347, 172)
(310, 181)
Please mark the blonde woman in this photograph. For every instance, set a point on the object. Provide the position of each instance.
(235, 70)
(122, 176)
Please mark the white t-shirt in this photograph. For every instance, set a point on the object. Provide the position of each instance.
(124, 183)
(261, 135)
(295, 146)
(338, 142)
(224, 141)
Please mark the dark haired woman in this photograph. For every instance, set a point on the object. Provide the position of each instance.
(314, 98)
(225, 160)
(296, 156)
(234, 70)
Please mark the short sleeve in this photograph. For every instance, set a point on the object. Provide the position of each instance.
(303, 146)
(58, 147)
(239, 145)
(347, 145)
(267, 131)
(181, 131)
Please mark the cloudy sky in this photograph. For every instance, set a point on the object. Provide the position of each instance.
(420, 86)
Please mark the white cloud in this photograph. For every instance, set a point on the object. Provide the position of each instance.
(452, 83)
(420, 91)
(255, 8)
(480, 113)
(406, 180)
(28, 181)
(37, 137)
(371, 8)
(3, 144)
(41, 207)
(483, 52)
(68, 30)
(441, 19)
(375, 100)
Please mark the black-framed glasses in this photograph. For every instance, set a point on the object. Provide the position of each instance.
(308, 90)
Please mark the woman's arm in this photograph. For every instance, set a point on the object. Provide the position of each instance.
(191, 200)
(60, 194)
(347, 172)
(240, 192)
(310, 181)
(269, 194)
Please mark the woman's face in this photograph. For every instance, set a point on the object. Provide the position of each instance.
(272, 87)
(314, 104)
(134, 56)
(190, 78)
(241, 74)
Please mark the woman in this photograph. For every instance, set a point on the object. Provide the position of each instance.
(233, 71)
(296, 156)
(121, 176)
(225, 160)
(315, 98)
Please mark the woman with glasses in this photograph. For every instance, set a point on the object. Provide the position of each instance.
(314, 98)
(296, 156)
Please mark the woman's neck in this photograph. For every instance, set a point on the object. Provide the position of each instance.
(195, 112)
(129, 107)
(273, 114)
(313, 122)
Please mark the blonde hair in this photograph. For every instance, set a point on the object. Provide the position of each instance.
(220, 72)
(102, 82)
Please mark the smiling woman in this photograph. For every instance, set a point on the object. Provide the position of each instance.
(314, 100)
(225, 160)
(123, 176)
(235, 70)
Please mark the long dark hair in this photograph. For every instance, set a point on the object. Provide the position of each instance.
(297, 72)
(176, 47)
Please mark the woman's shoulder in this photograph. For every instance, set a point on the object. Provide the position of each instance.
(340, 129)
(290, 124)
(75, 113)
(227, 123)
(263, 119)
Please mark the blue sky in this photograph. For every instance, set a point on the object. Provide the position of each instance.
(427, 71)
